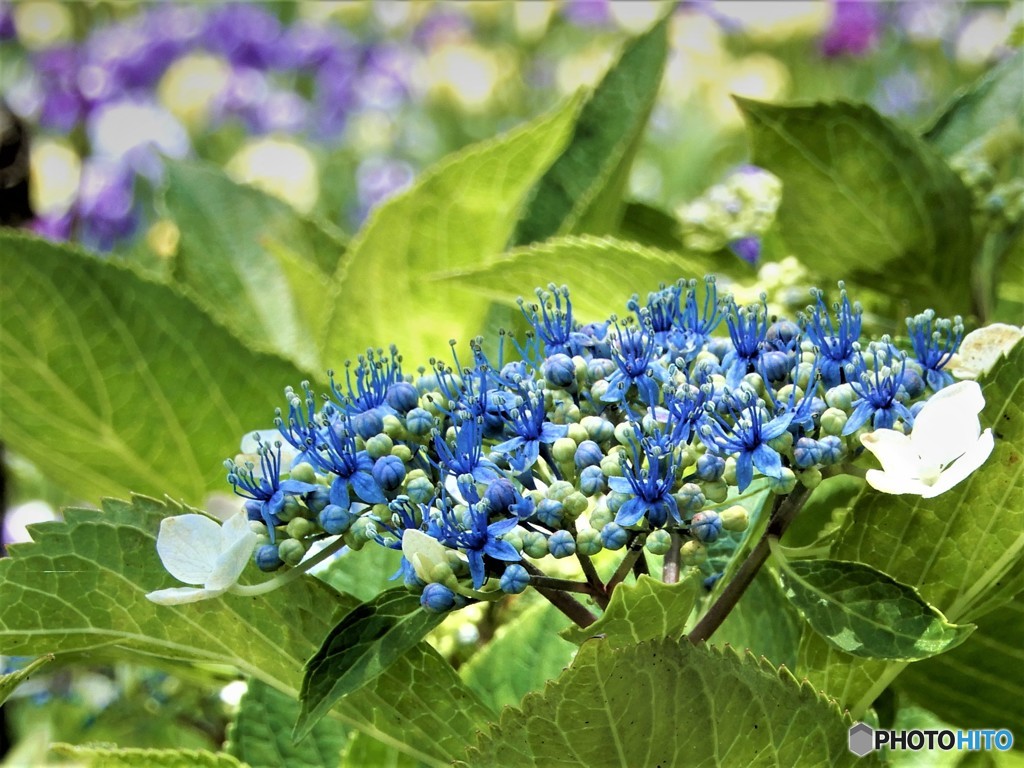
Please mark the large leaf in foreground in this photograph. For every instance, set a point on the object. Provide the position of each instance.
(962, 550)
(261, 734)
(12, 680)
(647, 609)
(866, 199)
(582, 191)
(523, 655)
(458, 212)
(82, 584)
(367, 640)
(763, 622)
(112, 383)
(601, 272)
(251, 260)
(665, 703)
(113, 757)
(864, 612)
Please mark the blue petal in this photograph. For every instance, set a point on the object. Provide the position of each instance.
(551, 432)
(776, 426)
(630, 512)
(476, 567)
(297, 486)
(858, 418)
(501, 550)
(502, 527)
(768, 461)
(367, 488)
(509, 445)
(736, 372)
(531, 450)
(620, 484)
(744, 470)
(339, 492)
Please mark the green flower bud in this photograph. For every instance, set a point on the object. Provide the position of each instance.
(598, 390)
(658, 542)
(303, 472)
(560, 490)
(729, 475)
(575, 504)
(833, 421)
(394, 428)
(615, 500)
(624, 434)
(689, 456)
(693, 552)
(441, 573)
(599, 430)
(564, 450)
(841, 396)
(610, 466)
(419, 490)
(578, 433)
(715, 492)
(431, 403)
(262, 540)
(359, 533)
(810, 478)
(588, 542)
(300, 528)
(704, 357)
(289, 510)
(379, 445)
(784, 484)
(515, 538)
(783, 443)
(786, 392)
(404, 452)
(735, 518)
(803, 374)
(600, 516)
(535, 544)
(291, 551)
(459, 566)
(754, 383)
(260, 529)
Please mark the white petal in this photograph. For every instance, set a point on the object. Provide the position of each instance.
(948, 424)
(423, 552)
(964, 466)
(189, 546)
(981, 349)
(888, 482)
(894, 451)
(180, 595)
(232, 562)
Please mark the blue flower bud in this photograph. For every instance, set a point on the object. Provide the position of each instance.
(535, 544)
(782, 334)
(402, 396)
(559, 371)
(806, 452)
(334, 520)
(437, 598)
(419, 422)
(706, 526)
(500, 495)
(389, 472)
(776, 365)
(658, 542)
(267, 558)
(368, 424)
(561, 544)
(710, 467)
(253, 510)
(592, 481)
(831, 449)
(514, 580)
(550, 512)
(710, 581)
(913, 383)
(588, 454)
(614, 536)
(318, 499)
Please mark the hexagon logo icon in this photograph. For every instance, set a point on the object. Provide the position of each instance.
(862, 739)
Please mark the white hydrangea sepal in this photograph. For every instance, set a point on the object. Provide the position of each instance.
(945, 446)
(197, 550)
(423, 552)
(981, 349)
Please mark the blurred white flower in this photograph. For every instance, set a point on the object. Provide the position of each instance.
(197, 550)
(136, 134)
(945, 446)
(981, 349)
(280, 168)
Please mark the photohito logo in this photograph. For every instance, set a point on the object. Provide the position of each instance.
(865, 739)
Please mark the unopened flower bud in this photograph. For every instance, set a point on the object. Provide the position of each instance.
(611, 467)
(578, 433)
(300, 527)
(561, 544)
(559, 371)
(514, 580)
(588, 454)
(535, 544)
(291, 551)
(706, 526)
(658, 542)
(832, 449)
(437, 598)
(715, 492)
(614, 536)
(401, 396)
(600, 516)
(403, 452)
(690, 497)
(550, 512)
(810, 478)
(806, 452)
(394, 428)
(588, 542)
(592, 481)
(303, 472)
(419, 490)
(833, 421)
(599, 430)
(710, 467)
(735, 518)
(782, 443)
(388, 471)
(693, 552)
(419, 422)
(564, 450)
(840, 397)
(783, 484)
(317, 500)
(575, 505)
(267, 558)
(729, 471)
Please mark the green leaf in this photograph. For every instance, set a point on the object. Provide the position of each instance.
(363, 751)
(866, 613)
(81, 587)
(650, 226)
(524, 654)
(251, 260)
(961, 551)
(12, 680)
(645, 610)
(112, 757)
(867, 200)
(993, 103)
(602, 273)
(665, 703)
(122, 384)
(582, 191)
(763, 622)
(458, 212)
(363, 574)
(974, 686)
(261, 733)
(820, 520)
(366, 641)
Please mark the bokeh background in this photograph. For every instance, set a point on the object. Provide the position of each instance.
(335, 106)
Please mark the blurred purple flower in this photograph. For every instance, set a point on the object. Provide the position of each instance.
(855, 28)
(383, 81)
(306, 46)
(7, 28)
(378, 178)
(901, 93)
(747, 248)
(57, 228)
(62, 104)
(245, 34)
(587, 13)
(441, 27)
(105, 206)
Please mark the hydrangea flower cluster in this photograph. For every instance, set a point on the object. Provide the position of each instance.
(632, 434)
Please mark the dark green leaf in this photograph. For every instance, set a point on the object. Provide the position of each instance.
(602, 273)
(252, 261)
(645, 610)
(582, 191)
(524, 655)
(763, 622)
(260, 735)
(122, 384)
(366, 641)
(644, 224)
(665, 703)
(867, 200)
(866, 613)
(994, 103)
